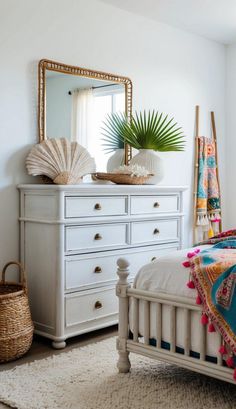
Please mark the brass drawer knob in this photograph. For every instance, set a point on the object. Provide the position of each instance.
(156, 204)
(156, 231)
(97, 206)
(153, 258)
(97, 237)
(97, 269)
(97, 305)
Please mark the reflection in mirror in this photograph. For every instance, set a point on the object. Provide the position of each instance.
(76, 108)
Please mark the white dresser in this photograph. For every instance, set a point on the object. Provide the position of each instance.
(71, 238)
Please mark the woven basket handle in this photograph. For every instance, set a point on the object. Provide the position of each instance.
(22, 273)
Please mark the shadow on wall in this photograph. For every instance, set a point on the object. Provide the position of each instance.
(14, 174)
(15, 167)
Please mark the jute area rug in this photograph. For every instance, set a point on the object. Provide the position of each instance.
(87, 378)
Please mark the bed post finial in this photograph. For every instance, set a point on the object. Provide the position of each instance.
(122, 286)
(123, 270)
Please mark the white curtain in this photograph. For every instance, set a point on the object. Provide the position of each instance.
(81, 117)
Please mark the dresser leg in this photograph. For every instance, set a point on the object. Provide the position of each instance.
(58, 344)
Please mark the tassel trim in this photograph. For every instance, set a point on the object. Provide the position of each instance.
(230, 362)
(202, 220)
(204, 319)
(198, 300)
(211, 328)
(190, 284)
(223, 350)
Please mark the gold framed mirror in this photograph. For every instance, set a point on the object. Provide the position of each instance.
(66, 94)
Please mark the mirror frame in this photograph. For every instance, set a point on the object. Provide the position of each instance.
(45, 64)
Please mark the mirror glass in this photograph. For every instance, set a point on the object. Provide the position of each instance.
(76, 107)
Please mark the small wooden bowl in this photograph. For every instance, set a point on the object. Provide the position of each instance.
(121, 178)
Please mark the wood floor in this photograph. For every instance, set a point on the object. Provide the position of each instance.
(41, 348)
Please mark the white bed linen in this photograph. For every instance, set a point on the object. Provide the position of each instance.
(167, 275)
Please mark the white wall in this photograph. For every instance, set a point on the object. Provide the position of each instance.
(171, 70)
(230, 212)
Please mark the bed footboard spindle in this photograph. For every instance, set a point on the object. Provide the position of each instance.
(122, 286)
(202, 341)
(135, 318)
(146, 306)
(158, 324)
(172, 328)
(219, 356)
(150, 309)
(187, 335)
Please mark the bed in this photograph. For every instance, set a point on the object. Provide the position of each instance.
(159, 318)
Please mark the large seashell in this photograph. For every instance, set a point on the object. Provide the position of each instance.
(62, 161)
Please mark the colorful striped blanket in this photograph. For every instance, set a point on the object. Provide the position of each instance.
(213, 274)
(208, 193)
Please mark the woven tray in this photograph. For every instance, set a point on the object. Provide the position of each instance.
(121, 178)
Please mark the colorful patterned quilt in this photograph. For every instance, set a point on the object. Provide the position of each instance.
(226, 235)
(213, 273)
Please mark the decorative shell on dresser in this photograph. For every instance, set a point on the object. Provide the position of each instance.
(62, 161)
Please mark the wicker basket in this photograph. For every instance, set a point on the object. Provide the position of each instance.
(16, 327)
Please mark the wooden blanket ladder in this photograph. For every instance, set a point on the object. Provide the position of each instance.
(196, 173)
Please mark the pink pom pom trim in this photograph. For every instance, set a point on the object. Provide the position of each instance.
(211, 328)
(230, 362)
(223, 350)
(186, 264)
(204, 319)
(191, 284)
(193, 253)
(198, 300)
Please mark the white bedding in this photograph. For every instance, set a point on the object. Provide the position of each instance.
(167, 275)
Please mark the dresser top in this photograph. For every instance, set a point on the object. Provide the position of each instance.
(104, 188)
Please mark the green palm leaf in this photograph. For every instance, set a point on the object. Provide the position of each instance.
(113, 131)
(154, 131)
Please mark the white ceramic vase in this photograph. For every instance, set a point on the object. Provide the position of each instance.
(116, 160)
(151, 161)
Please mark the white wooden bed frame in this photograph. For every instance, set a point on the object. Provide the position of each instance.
(142, 346)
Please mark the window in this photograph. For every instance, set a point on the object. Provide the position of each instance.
(107, 100)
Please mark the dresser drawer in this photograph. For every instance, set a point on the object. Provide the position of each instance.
(154, 231)
(90, 305)
(154, 204)
(95, 236)
(83, 272)
(95, 206)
